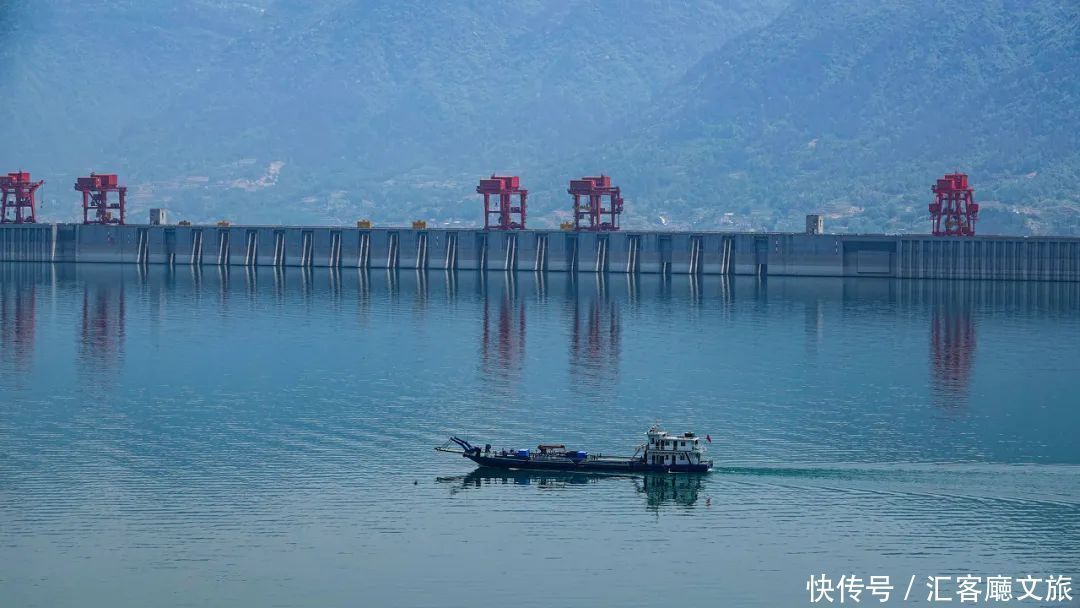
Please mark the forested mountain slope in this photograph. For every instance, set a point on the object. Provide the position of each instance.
(855, 107)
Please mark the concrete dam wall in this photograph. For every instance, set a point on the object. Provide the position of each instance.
(784, 254)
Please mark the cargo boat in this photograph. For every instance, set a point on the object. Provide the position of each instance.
(663, 453)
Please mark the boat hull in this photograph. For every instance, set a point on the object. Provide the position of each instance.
(628, 465)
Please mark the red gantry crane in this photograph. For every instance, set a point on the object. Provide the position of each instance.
(17, 204)
(95, 193)
(499, 192)
(954, 209)
(592, 209)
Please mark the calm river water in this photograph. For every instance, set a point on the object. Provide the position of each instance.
(173, 438)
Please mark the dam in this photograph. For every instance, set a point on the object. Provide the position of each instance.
(1011, 258)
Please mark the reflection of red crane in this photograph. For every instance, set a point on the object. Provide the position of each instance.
(594, 190)
(18, 307)
(102, 327)
(952, 349)
(504, 188)
(954, 204)
(17, 204)
(503, 352)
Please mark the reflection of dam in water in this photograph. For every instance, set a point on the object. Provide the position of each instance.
(593, 321)
(595, 339)
(502, 339)
(593, 313)
(102, 328)
(952, 348)
(18, 309)
(955, 309)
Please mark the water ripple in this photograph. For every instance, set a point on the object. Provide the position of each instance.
(190, 438)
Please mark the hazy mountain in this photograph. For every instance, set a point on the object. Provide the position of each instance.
(388, 102)
(854, 108)
(709, 114)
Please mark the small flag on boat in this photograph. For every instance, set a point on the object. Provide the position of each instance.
(708, 438)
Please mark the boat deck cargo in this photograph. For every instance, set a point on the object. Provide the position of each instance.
(663, 453)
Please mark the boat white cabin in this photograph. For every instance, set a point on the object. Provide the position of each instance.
(667, 449)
